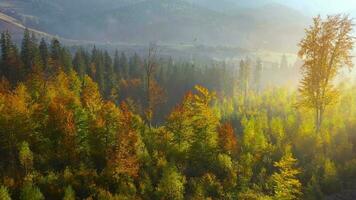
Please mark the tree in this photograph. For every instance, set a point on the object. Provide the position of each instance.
(11, 65)
(257, 75)
(4, 193)
(26, 157)
(69, 193)
(171, 185)
(79, 63)
(286, 184)
(153, 92)
(27, 51)
(135, 65)
(227, 139)
(124, 66)
(284, 62)
(122, 158)
(55, 54)
(44, 54)
(31, 192)
(244, 78)
(325, 49)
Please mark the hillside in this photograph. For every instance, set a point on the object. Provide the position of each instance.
(172, 22)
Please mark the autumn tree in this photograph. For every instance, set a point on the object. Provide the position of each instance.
(153, 92)
(325, 50)
(286, 184)
(171, 185)
(227, 139)
(122, 158)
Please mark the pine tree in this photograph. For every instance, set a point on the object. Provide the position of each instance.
(124, 66)
(27, 51)
(44, 54)
(135, 66)
(117, 63)
(257, 75)
(244, 78)
(12, 68)
(55, 51)
(79, 63)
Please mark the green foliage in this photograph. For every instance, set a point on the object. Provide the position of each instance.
(79, 133)
(69, 193)
(4, 193)
(286, 184)
(26, 156)
(31, 192)
(171, 185)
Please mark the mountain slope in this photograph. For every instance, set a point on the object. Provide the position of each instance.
(271, 27)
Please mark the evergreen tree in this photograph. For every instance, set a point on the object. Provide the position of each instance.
(124, 66)
(135, 64)
(27, 51)
(44, 54)
(257, 75)
(79, 63)
(11, 63)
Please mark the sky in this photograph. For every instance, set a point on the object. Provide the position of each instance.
(313, 7)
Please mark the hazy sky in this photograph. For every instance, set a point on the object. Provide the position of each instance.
(322, 6)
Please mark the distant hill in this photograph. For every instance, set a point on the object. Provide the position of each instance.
(272, 26)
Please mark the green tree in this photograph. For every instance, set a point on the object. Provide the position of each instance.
(31, 192)
(26, 157)
(44, 54)
(171, 185)
(4, 193)
(11, 65)
(69, 193)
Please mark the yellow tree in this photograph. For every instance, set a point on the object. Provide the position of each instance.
(285, 181)
(325, 49)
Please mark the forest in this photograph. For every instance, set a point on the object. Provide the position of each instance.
(78, 123)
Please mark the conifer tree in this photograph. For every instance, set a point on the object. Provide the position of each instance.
(44, 54)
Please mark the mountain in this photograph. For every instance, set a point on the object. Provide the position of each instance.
(207, 22)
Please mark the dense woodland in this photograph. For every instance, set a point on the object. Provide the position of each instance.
(91, 125)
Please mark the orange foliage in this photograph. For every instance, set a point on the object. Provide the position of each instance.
(227, 138)
(91, 97)
(123, 158)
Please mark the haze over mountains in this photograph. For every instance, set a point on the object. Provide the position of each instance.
(253, 25)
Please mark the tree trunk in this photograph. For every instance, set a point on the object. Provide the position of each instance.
(318, 119)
